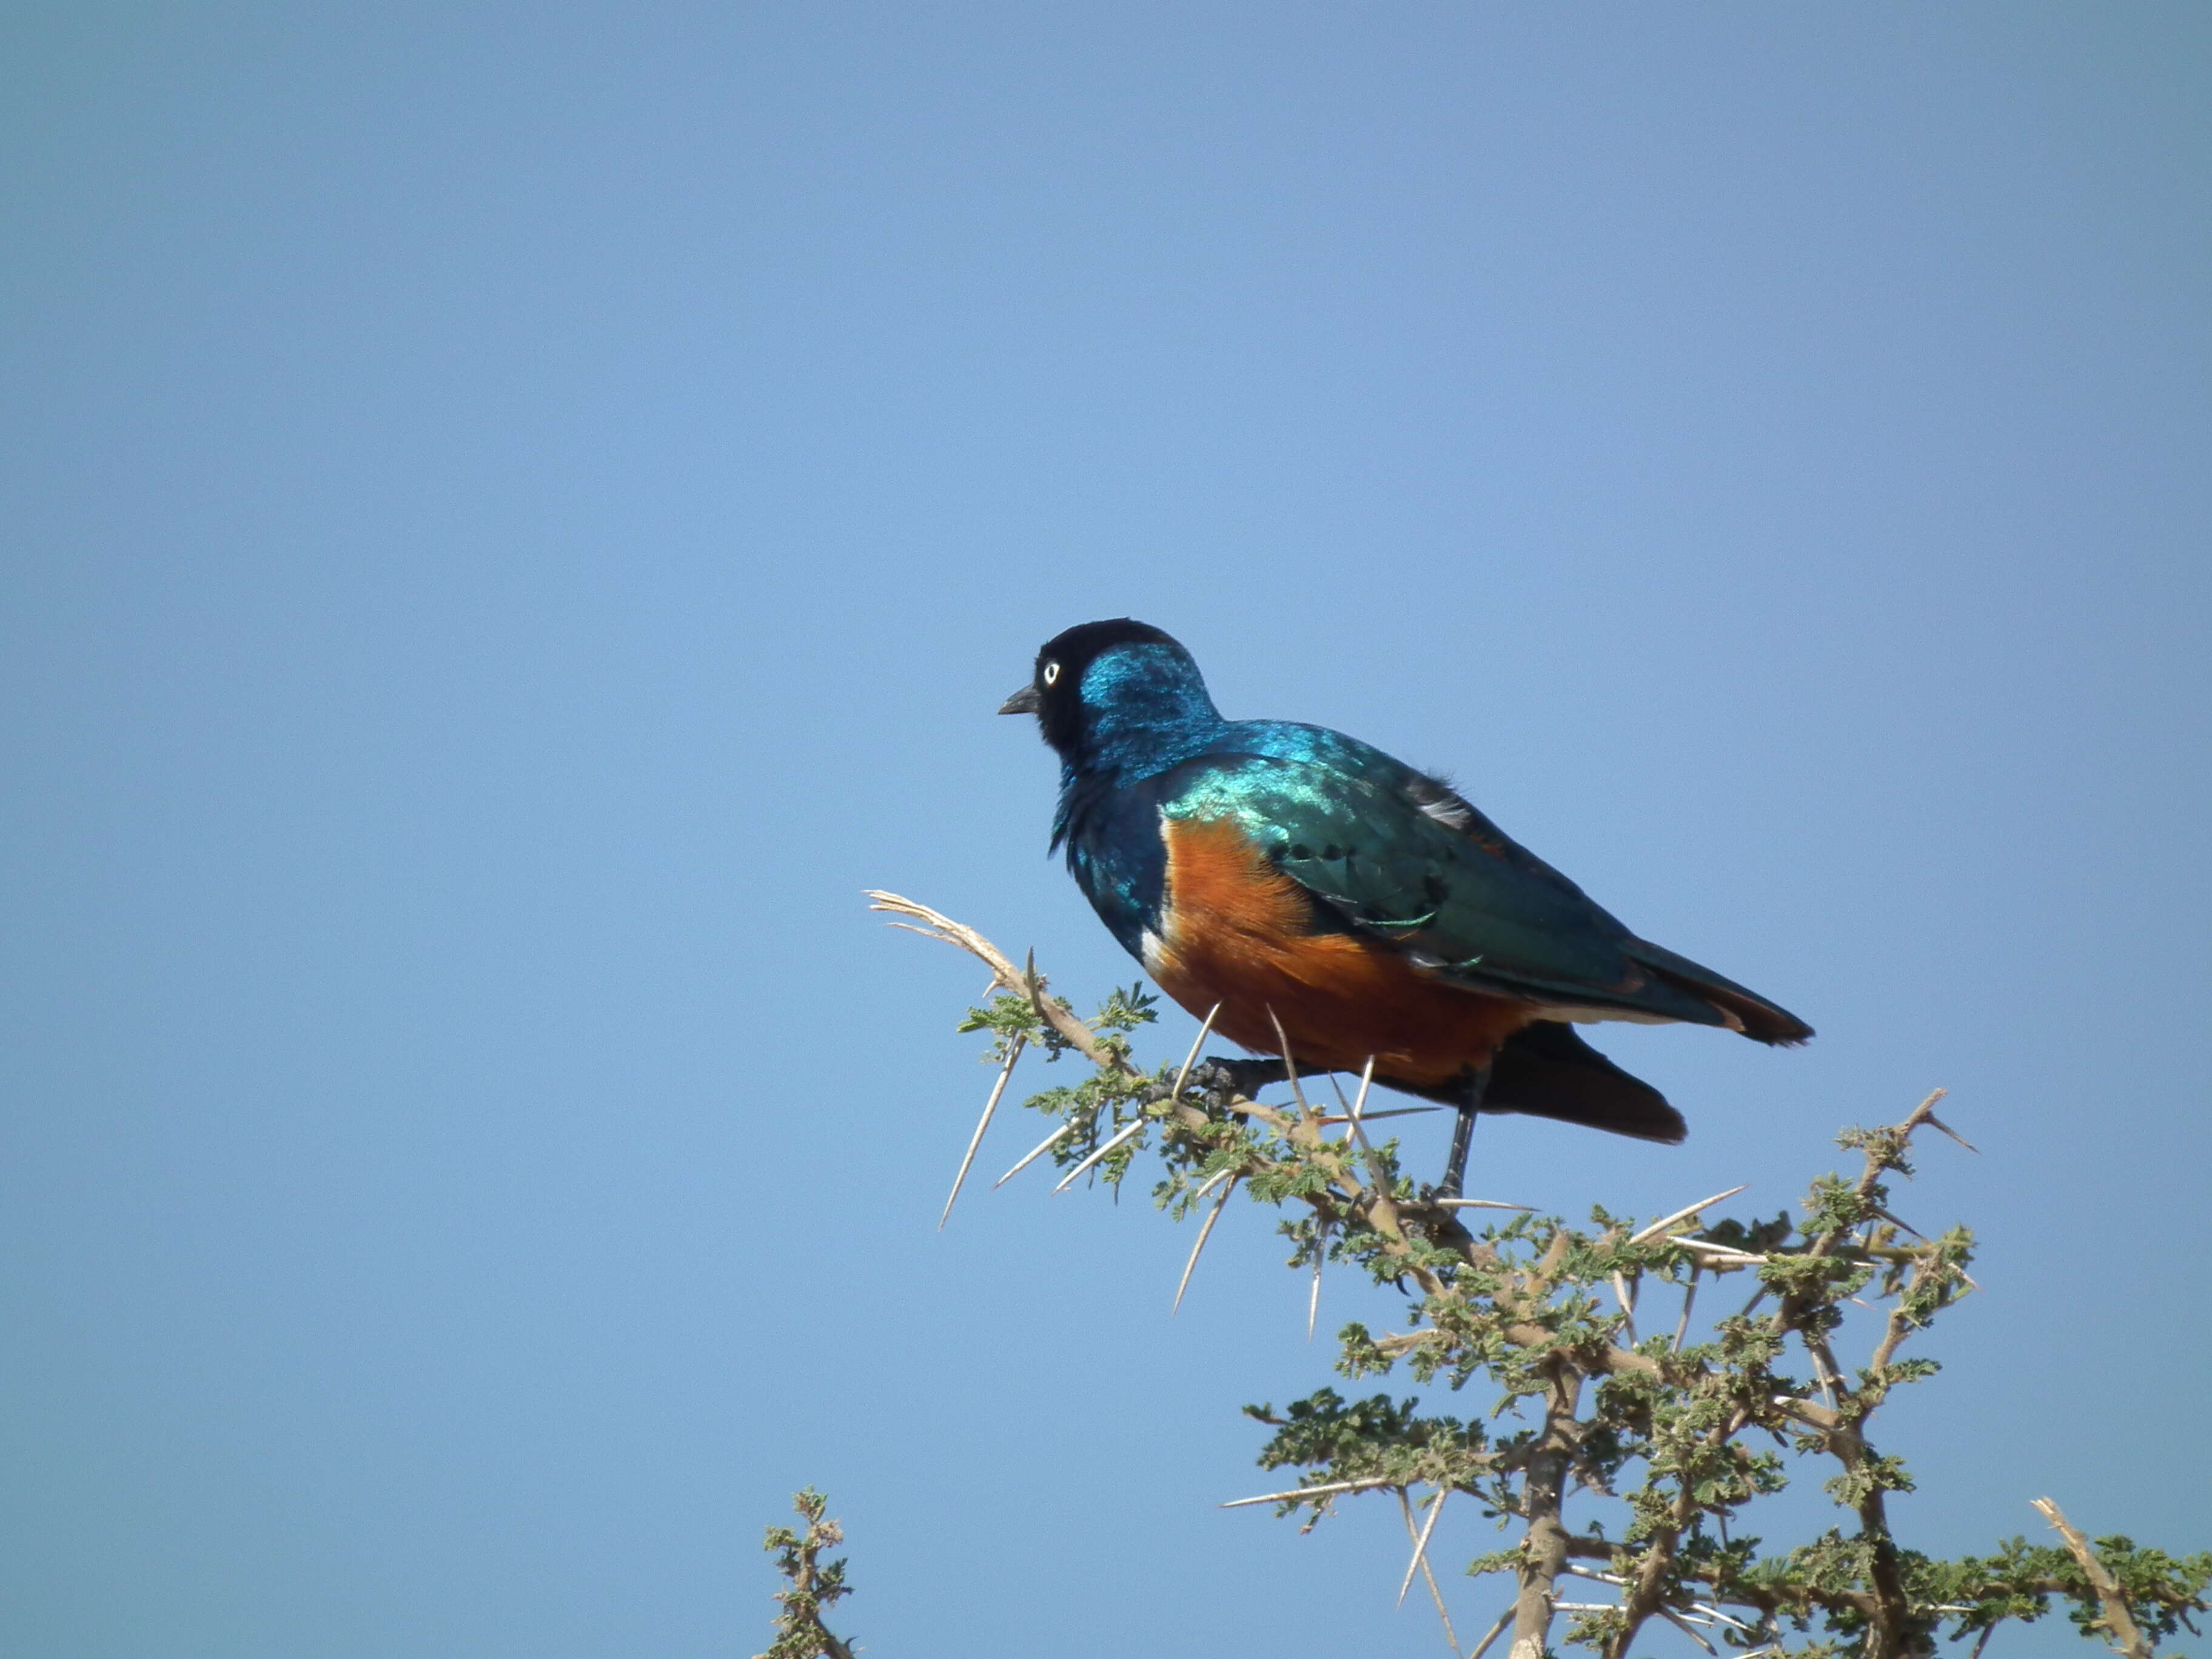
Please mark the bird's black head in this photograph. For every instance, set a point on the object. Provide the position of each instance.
(1111, 690)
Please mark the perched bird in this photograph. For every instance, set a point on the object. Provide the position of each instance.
(1295, 876)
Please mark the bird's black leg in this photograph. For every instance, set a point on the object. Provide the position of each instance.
(1469, 1102)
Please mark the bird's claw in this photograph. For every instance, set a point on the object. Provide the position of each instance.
(1220, 1080)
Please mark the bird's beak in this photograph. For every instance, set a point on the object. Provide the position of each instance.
(1023, 702)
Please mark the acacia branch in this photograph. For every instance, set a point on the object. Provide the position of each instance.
(815, 1584)
(2118, 1621)
(1021, 981)
(1527, 1308)
(1544, 1545)
(1646, 1593)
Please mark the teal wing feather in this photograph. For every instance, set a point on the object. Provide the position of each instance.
(1391, 854)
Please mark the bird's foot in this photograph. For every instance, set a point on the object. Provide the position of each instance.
(1221, 1079)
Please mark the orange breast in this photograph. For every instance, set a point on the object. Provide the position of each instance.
(1239, 931)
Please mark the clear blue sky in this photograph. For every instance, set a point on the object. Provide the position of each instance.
(512, 518)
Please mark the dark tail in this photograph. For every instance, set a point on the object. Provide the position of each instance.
(1544, 1070)
(1749, 1012)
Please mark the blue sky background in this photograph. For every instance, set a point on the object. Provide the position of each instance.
(513, 517)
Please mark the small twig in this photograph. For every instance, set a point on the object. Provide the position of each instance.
(938, 926)
(1005, 1072)
(1205, 1229)
(1034, 1154)
(816, 1585)
(1021, 982)
(2118, 1621)
(1924, 1113)
(1464, 1203)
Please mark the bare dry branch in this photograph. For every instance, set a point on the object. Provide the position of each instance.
(1020, 981)
(2119, 1625)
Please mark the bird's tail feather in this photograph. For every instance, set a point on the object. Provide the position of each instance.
(1749, 1012)
(1544, 1070)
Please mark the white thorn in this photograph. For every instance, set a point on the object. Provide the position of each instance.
(1126, 1130)
(1665, 1222)
(1313, 1300)
(1191, 1059)
(1289, 1066)
(1034, 1154)
(1205, 1228)
(1360, 1100)
(1307, 1492)
(1421, 1545)
(1006, 1072)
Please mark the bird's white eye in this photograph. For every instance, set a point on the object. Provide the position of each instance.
(1051, 673)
